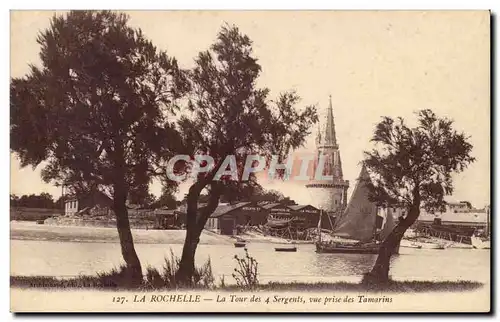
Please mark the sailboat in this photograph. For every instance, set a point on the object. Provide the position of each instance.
(479, 242)
(356, 230)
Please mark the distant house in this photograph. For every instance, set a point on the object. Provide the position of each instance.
(181, 213)
(462, 207)
(464, 219)
(227, 217)
(76, 203)
(167, 219)
(310, 215)
(457, 226)
(274, 207)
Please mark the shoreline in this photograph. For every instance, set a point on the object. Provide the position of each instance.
(26, 230)
(31, 231)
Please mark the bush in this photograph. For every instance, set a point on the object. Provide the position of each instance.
(116, 278)
(247, 271)
(203, 276)
(222, 282)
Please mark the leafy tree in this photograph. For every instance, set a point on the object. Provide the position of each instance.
(140, 195)
(229, 115)
(269, 195)
(59, 203)
(43, 200)
(96, 111)
(167, 199)
(261, 194)
(412, 168)
(14, 200)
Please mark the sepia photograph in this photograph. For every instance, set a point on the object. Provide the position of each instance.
(250, 161)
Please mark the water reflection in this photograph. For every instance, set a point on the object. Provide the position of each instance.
(339, 264)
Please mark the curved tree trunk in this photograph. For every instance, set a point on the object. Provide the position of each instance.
(134, 270)
(380, 271)
(185, 272)
(194, 226)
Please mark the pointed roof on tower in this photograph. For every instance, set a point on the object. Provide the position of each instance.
(330, 138)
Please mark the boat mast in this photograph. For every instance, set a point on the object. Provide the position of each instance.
(375, 224)
(487, 221)
(319, 225)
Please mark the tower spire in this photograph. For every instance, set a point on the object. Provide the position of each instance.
(330, 193)
(330, 137)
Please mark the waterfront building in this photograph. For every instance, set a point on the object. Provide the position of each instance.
(94, 199)
(226, 219)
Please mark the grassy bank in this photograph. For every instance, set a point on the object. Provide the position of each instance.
(108, 282)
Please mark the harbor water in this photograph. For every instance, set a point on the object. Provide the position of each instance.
(64, 257)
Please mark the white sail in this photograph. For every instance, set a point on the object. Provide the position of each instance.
(358, 220)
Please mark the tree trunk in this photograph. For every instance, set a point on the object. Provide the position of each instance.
(134, 271)
(184, 275)
(194, 226)
(380, 271)
(186, 269)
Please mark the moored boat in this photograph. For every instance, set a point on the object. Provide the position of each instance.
(483, 241)
(479, 243)
(240, 243)
(358, 223)
(408, 244)
(431, 245)
(285, 249)
(326, 247)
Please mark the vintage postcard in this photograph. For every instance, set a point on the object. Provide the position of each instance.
(250, 161)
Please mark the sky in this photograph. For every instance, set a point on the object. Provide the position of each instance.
(373, 63)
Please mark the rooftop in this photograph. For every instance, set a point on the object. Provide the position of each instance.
(224, 209)
(459, 217)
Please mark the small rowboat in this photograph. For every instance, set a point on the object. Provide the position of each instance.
(240, 243)
(286, 249)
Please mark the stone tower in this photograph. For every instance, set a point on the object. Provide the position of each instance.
(329, 195)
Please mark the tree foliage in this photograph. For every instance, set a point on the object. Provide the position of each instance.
(43, 200)
(229, 115)
(98, 102)
(425, 157)
(412, 168)
(167, 199)
(262, 195)
(96, 111)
